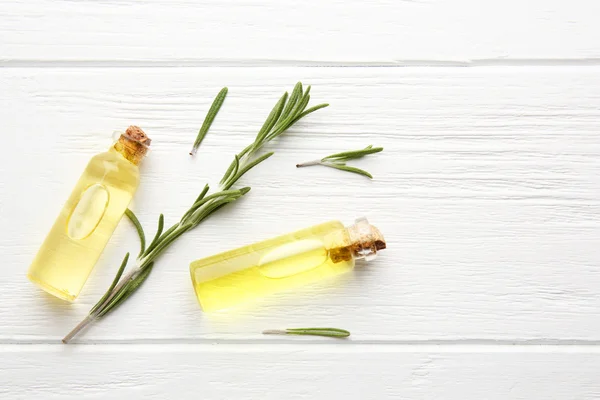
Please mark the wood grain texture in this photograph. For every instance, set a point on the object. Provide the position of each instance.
(487, 192)
(313, 32)
(317, 371)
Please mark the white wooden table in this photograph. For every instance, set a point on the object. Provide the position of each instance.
(488, 193)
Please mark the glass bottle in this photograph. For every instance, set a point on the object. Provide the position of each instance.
(89, 217)
(283, 263)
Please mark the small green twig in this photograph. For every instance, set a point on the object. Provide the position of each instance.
(327, 332)
(210, 117)
(338, 160)
(288, 110)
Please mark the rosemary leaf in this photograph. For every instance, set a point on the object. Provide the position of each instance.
(245, 190)
(247, 168)
(197, 201)
(128, 290)
(286, 122)
(327, 332)
(306, 112)
(296, 93)
(163, 244)
(138, 227)
(168, 232)
(271, 119)
(210, 207)
(228, 173)
(237, 165)
(348, 168)
(161, 225)
(299, 103)
(198, 205)
(208, 120)
(112, 285)
(353, 154)
(306, 97)
(202, 193)
(303, 103)
(236, 168)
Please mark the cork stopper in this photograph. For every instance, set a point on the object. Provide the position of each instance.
(133, 144)
(360, 241)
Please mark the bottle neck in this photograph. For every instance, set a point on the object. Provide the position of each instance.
(359, 241)
(131, 149)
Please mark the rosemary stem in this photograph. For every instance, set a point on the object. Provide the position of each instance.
(91, 317)
(86, 321)
(275, 332)
(147, 259)
(309, 163)
(162, 245)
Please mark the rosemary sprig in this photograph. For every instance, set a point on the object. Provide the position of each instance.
(285, 114)
(327, 332)
(338, 160)
(210, 117)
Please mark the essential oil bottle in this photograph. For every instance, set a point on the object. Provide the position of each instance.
(283, 263)
(89, 217)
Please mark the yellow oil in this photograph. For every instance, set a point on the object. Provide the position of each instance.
(275, 265)
(85, 224)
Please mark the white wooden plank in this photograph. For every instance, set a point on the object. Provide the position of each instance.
(254, 32)
(293, 371)
(487, 192)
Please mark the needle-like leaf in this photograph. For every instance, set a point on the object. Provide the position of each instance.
(296, 93)
(161, 225)
(344, 167)
(353, 154)
(306, 112)
(202, 193)
(271, 119)
(112, 285)
(127, 290)
(247, 168)
(138, 227)
(327, 332)
(210, 117)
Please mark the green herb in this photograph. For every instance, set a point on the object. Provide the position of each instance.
(210, 117)
(338, 160)
(285, 113)
(138, 227)
(327, 332)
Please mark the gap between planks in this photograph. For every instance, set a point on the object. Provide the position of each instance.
(409, 346)
(245, 63)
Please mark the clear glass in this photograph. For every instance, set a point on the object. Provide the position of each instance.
(85, 224)
(279, 264)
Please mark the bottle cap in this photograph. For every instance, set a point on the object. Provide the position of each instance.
(134, 144)
(360, 241)
(365, 240)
